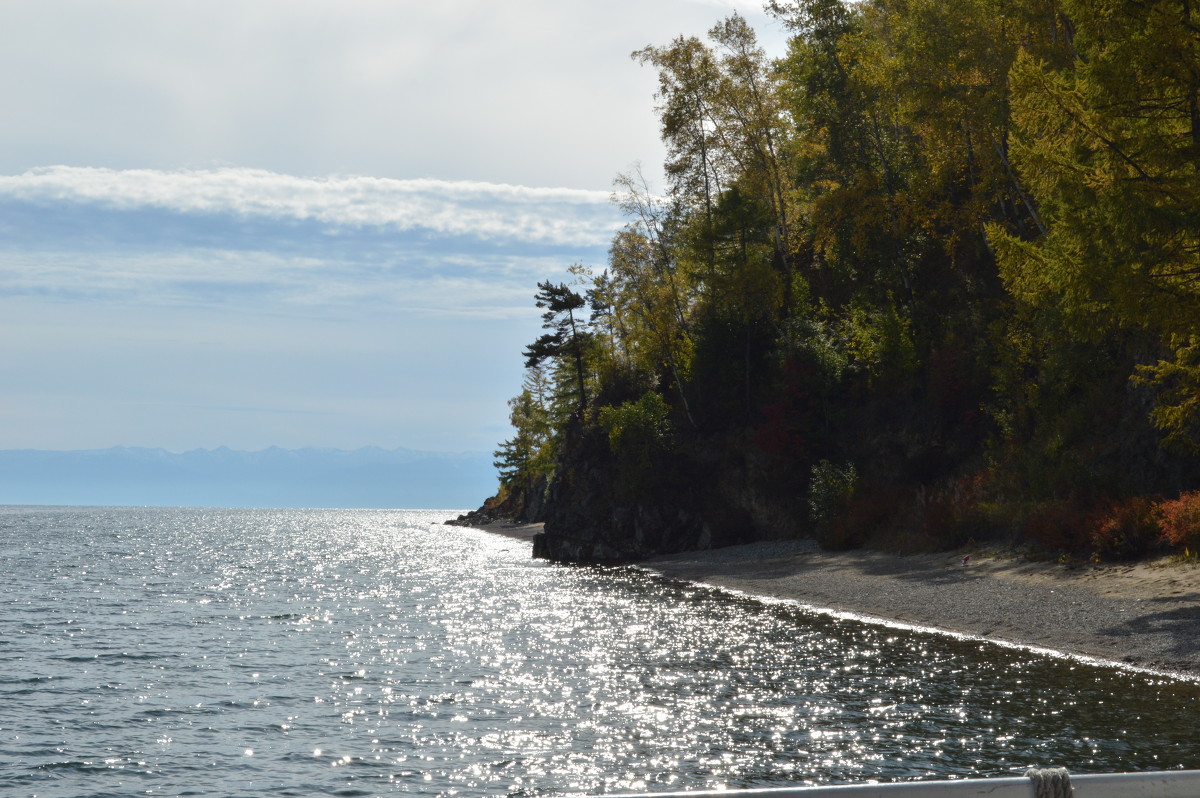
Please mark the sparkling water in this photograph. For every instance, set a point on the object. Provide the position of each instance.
(148, 651)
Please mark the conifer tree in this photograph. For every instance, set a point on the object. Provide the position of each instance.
(529, 452)
(1110, 146)
(568, 336)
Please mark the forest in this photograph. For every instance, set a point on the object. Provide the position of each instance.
(929, 279)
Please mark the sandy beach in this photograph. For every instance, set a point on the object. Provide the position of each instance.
(1144, 614)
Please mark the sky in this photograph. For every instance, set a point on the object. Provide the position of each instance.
(305, 223)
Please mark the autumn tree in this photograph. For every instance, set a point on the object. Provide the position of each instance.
(696, 168)
(752, 125)
(648, 288)
(1110, 147)
(934, 239)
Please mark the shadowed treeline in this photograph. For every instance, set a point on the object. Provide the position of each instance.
(931, 276)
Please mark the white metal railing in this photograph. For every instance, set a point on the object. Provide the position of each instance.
(1158, 784)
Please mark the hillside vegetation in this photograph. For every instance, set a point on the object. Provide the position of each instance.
(932, 276)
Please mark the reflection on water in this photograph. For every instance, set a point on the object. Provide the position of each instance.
(219, 652)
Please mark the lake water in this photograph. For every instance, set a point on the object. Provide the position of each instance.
(199, 652)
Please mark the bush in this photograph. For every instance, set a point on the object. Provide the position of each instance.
(951, 514)
(830, 490)
(1062, 526)
(1124, 530)
(1179, 520)
(638, 435)
(1113, 529)
(879, 515)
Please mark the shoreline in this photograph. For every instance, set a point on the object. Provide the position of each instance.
(1143, 615)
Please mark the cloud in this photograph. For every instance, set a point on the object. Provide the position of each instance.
(489, 211)
(454, 284)
(154, 282)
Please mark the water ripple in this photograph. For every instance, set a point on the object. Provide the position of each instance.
(221, 652)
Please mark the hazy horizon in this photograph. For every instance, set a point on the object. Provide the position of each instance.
(367, 477)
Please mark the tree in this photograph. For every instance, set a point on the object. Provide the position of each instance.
(568, 336)
(688, 83)
(750, 122)
(1110, 147)
(521, 458)
(848, 151)
(647, 286)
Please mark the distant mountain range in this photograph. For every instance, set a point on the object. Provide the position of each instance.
(223, 477)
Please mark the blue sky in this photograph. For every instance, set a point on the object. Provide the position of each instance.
(300, 223)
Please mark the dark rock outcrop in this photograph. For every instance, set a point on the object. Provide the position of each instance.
(480, 517)
(523, 504)
(599, 511)
(598, 508)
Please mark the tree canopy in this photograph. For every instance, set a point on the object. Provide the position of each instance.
(943, 257)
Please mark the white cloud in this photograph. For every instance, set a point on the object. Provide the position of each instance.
(269, 283)
(536, 92)
(559, 216)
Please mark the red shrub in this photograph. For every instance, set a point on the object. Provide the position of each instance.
(1059, 527)
(1124, 530)
(1179, 520)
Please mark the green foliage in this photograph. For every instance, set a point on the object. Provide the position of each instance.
(1066, 411)
(819, 341)
(1108, 145)
(1177, 411)
(879, 340)
(830, 489)
(529, 452)
(639, 427)
(639, 434)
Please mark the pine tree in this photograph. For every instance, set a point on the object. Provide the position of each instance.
(568, 336)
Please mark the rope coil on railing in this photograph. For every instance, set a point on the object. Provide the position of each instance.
(1051, 782)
